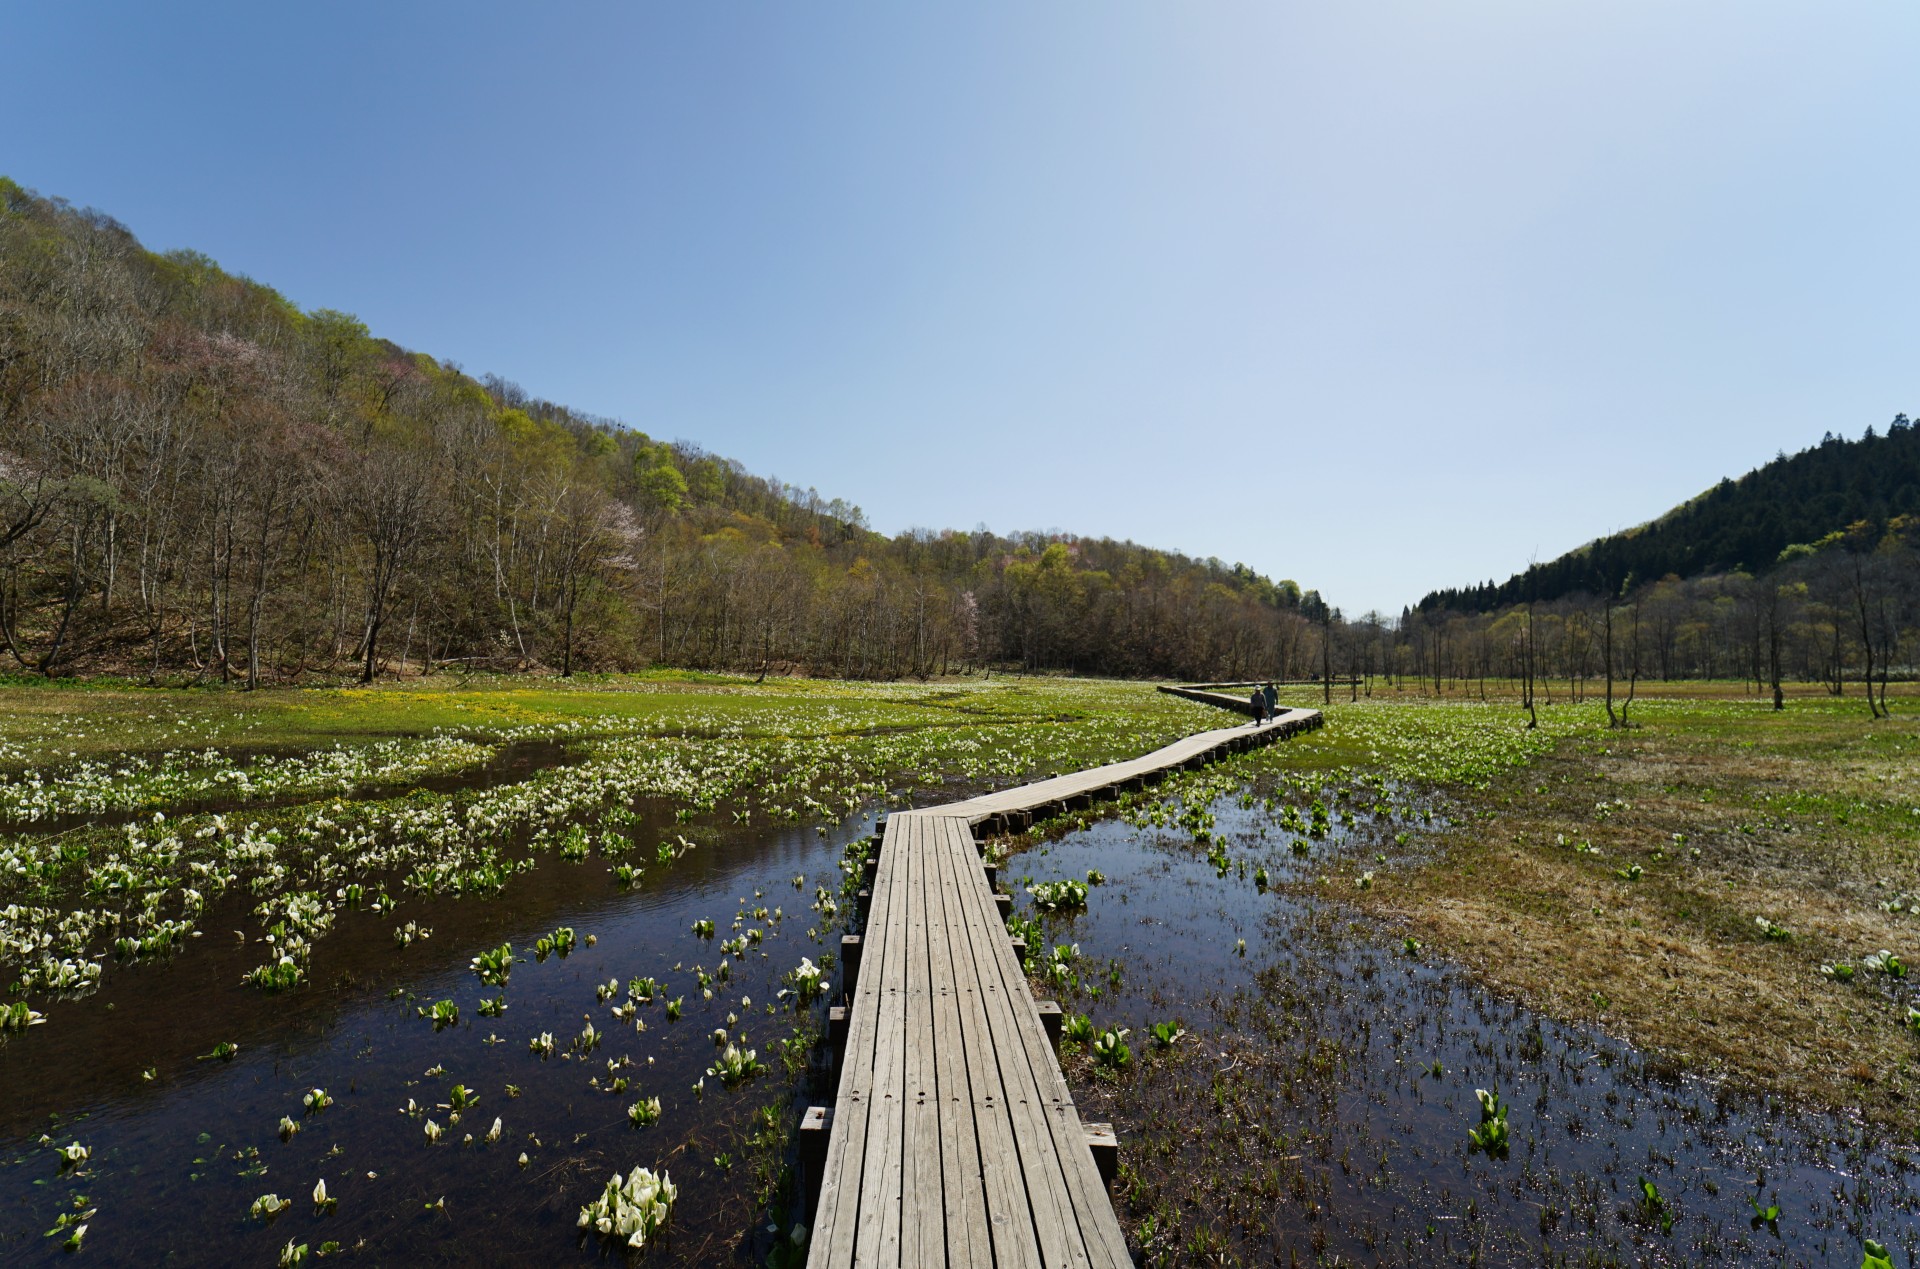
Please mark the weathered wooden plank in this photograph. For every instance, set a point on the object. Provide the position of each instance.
(1091, 1206)
(954, 1137)
(1010, 1215)
(1092, 1209)
(1040, 793)
(878, 1242)
(837, 1215)
(963, 1195)
(1038, 1158)
(923, 1232)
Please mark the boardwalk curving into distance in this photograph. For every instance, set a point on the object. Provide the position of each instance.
(953, 1139)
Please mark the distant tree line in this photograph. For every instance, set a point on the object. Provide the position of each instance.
(199, 479)
(1842, 611)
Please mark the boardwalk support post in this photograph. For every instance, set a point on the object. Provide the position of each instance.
(816, 1127)
(837, 1034)
(1050, 1017)
(1105, 1146)
(850, 958)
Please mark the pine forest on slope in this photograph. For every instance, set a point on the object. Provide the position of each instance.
(1739, 525)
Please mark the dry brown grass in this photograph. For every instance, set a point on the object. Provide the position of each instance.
(1804, 818)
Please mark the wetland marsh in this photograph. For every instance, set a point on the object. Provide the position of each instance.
(1295, 968)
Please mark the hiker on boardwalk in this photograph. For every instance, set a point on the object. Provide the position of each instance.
(1273, 701)
(1259, 702)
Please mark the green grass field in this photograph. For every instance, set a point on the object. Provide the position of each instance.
(1682, 881)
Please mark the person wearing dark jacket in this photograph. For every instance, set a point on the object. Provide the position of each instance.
(1273, 701)
(1259, 702)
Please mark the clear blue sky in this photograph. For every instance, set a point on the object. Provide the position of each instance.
(1377, 296)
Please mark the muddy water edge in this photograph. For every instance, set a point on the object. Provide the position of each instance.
(1317, 1108)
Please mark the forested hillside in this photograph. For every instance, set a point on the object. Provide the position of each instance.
(1807, 569)
(198, 478)
(1738, 525)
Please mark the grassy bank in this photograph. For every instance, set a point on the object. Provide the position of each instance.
(1713, 882)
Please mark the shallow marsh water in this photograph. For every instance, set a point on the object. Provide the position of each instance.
(1302, 1120)
(178, 1159)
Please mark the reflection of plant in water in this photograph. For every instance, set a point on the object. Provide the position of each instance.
(17, 1017)
(736, 1065)
(277, 975)
(443, 1013)
(1110, 1051)
(633, 1209)
(1654, 1206)
(268, 1206)
(1491, 1135)
(561, 941)
(495, 966)
(1051, 896)
(807, 981)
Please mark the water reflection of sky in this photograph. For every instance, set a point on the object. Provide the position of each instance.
(173, 1174)
(1330, 1005)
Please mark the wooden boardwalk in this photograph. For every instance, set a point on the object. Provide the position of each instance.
(953, 1139)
